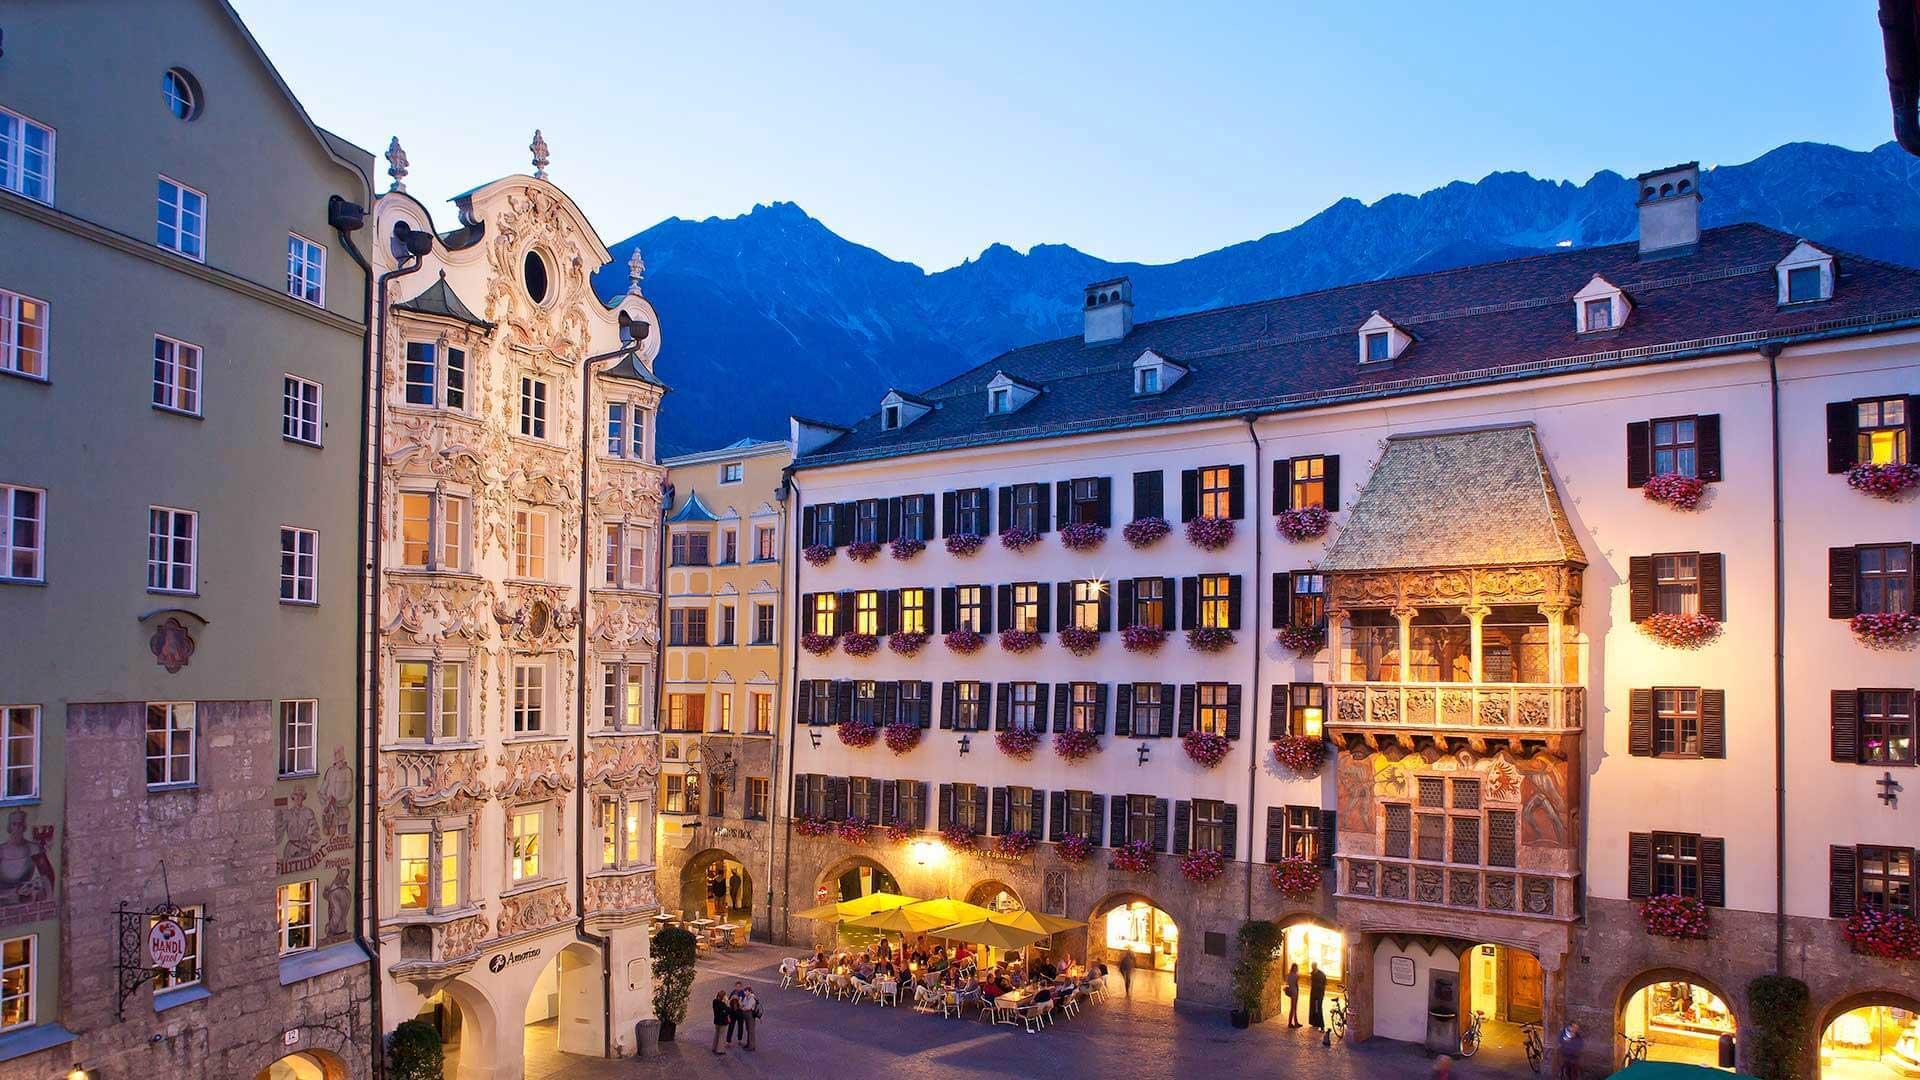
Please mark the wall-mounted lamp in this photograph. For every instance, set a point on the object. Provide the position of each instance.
(924, 852)
(1144, 753)
(966, 743)
(813, 733)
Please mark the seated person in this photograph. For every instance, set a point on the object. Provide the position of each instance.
(1047, 971)
(1045, 994)
(884, 951)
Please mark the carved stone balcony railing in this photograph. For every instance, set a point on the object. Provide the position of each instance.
(1490, 709)
(1494, 890)
(435, 947)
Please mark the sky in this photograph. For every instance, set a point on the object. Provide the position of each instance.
(1146, 132)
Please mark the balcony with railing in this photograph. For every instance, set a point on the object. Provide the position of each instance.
(1478, 889)
(1464, 708)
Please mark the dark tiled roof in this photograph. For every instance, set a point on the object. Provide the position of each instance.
(439, 299)
(1496, 321)
(692, 510)
(630, 368)
(905, 396)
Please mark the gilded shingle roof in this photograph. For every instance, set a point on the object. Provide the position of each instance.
(1481, 497)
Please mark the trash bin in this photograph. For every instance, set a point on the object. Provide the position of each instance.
(646, 1038)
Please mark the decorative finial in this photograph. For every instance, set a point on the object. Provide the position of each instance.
(636, 269)
(397, 164)
(540, 158)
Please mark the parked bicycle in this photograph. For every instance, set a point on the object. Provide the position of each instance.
(1470, 1038)
(1536, 1042)
(1636, 1049)
(1338, 1020)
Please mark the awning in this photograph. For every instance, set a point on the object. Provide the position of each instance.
(1480, 497)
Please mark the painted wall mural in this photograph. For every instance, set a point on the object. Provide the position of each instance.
(1537, 785)
(26, 871)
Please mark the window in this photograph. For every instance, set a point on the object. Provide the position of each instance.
(725, 634)
(967, 699)
(889, 418)
(172, 537)
(1676, 584)
(20, 751)
(530, 543)
(729, 547)
(429, 693)
(1886, 578)
(1675, 446)
(687, 626)
(296, 738)
(22, 533)
(181, 93)
(1028, 504)
(1140, 818)
(1083, 501)
(1087, 602)
(724, 722)
(967, 800)
(1149, 602)
(915, 514)
(732, 472)
(762, 716)
(690, 548)
(621, 822)
(763, 544)
(182, 218)
(1804, 285)
(763, 624)
(1676, 864)
(190, 970)
(1307, 479)
(626, 430)
(1146, 708)
(823, 524)
(1596, 315)
(23, 332)
(758, 798)
(626, 562)
(425, 516)
(26, 157)
(970, 607)
(306, 270)
(294, 902)
(999, 400)
(299, 558)
(529, 698)
(523, 837)
(1083, 816)
(623, 697)
(533, 407)
(1023, 706)
(1026, 607)
(436, 376)
(1886, 878)
(819, 699)
(176, 375)
(1676, 723)
(913, 611)
(867, 520)
(1209, 825)
(415, 871)
(1309, 599)
(300, 410)
(826, 613)
(1378, 346)
(1146, 380)
(970, 511)
(912, 703)
(1216, 496)
(1216, 601)
(16, 968)
(1083, 708)
(1306, 709)
(1020, 815)
(866, 612)
(1882, 432)
(1211, 708)
(686, 712)
(866, 701)
(1886, 727)
(1301, 835)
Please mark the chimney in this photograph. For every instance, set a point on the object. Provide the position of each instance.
(1109, 311)
(1669, 210)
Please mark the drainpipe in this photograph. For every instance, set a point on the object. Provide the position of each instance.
(779, 600)
(631, 336)
(1771, 350)
(1252, 705)
(793, 715)
(1897, 31)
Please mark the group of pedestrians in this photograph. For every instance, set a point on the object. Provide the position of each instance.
(1316, 996)
(736, 1015)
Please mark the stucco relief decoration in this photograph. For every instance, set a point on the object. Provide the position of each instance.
(627, 494)
(622, 624)
(534, 220)
(533, 911)
(536, 770)
(538, 478)
(431, 446)
(26, 871)
(621, 894)
(535, 616)
(431, 612)
(422, 781)
(172, 645)
(618, 761)
(462, 937)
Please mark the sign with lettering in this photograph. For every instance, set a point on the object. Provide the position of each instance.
(166, 944)
(505, 960)
(1400, 970)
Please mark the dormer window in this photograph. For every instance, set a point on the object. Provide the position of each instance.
(1805, 275)
(1147, 381)
(1153, 373)
(1378, 346)
(890, 418)
(898, 409)
(1803, 284)
(1000, 400)
(1381, 340)
(1006, 394)
(1599, 306)
(1597, 315)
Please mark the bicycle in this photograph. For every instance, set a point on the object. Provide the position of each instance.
(1338, 1020)
(1636, 1049)
(1536, 1042)
(1470, 1038)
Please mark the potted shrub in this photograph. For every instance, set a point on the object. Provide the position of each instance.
(1690, 631)
(813, 827)
(1074, 849)
(863, 551)
(1145, 532)
(901, 831)
(1202, 865)
(1306, 523)
(413, 1051)
(859, 645)
(1259, 947)
(1135, 857)
(1016, 742)
(1018, 539)
(1080, 641)
(817, 554)
(1143, 639)
(905, 547)
(1210, 533)
(817, 644)
(1883, 481)
(1019, 641)
(674, 951)
(1885, 629)
(1888, 935)
(1206, 747)
(902, 736)
(1783, 1021)
(852, 830)
(1295, 878)
(1015, 845)
(1682, 918)
(1304, 639)
(1082, 536)
(963, 544)
(906, 644)
(960, 837)
(1672, 489)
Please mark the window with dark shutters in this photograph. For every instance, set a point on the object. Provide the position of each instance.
(1149, 496)
(1842, 596)
(1843, 881)
(1886, 878)
(1843, 433)
(1301, 482)
(1639, 866)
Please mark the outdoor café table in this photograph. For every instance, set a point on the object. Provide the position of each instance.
(1008, 1003)
(890, 991)
(722, 934)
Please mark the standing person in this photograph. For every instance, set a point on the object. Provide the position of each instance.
(1316, 997)
(716, 894)
(1293, 995)
(1126, 971)
(737, 1014)
(733, 889)
(722, 1016)
(1573, 1044)
(750, 1004)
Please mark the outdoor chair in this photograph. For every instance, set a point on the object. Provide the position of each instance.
(842, 987)
(861, 990)
(789, 968)
(950, 1004)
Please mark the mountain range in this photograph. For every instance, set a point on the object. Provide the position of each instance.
(771, 313)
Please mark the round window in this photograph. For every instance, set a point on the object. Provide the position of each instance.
(181, 92)
(534, 273)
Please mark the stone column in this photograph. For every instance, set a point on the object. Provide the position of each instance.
(1477, 613)
(1359, 978)
(1556, 640)
(1405, 615)
(1553, 1015)
(1336, 638)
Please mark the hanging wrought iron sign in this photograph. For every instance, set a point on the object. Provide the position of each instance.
(153, 941)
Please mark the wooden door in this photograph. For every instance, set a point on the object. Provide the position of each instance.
(1523, 986)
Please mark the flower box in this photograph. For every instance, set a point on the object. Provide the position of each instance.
(1018, 539)
(1307, 523)
(1014, 845)
(1682, 918)
(1210, 533)
(812, 826)
(1295, 878)
(1681, 631)
(1074, 849)
(1143, 639)
(858, 645)
(1888, 935)
(906, 644)
(1135, 857)
(1209, 639)
(963, 544)
(1206, 747)
(900, 832)
(857, 733)
(863, 551)
(1080, 642)
(901, 736)
(1016, 742)
(963, 642)
(1019, 641)
(1304, 639)
(1887, 628)
(1082, 536)
(852, 830)
(1301, 754)
(1679, 492)
(960, 837)
(817, 554)
(1202, 865)
(1145, 532)
(904, 548)
(818, 644)
(1076, 744)
(1883, 481)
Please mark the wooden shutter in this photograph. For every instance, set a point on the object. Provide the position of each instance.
(1117, 808)
(842, 700)
(1283, 485)
(1169, 603)
(1332, 485)
(949, 609)
(979, 803)
(802, 802)
(946, 805)
(1189, 602)
(1276, 833)
(1063, 601)
(1236, 491)
(1182, 826)
(1189, 493)
(1161, 824)
(1277, 709)
(920, 803)
(843, 611)
(1233, 601)
(949, 705)
(1002, 813)
(1057, 821)
(809, 518)
(1233, 710)
(926, 704)
(1099, 725)
(1846, 726)
(1004, 594)
(1327, 834)
(1003, 704)
(889, 801)
(1040, 706)
(1230, 829)
(889, 702)
(1713, 871)
(1843, 881)
(1713, 723)
(1843, 436)
(1104, 602)
(1639, 866)
(1706, 432)
(1713, 589)
(1166, 710)
(1639, 587)
(1043, 600)
(1063, 501)
(838, 798)
(1843, 600)
(1149, 496)
(1282, 601)
(1125, 599)
(803, 703)
(1103, 502)
(1187, 694)
(1639, 453)
(843, 524)
(949, 509)
(1006, 506)
(890, 522)
(1640, 723)
(1099, 817)
(1039, 805)
(1123, 714)
(1040, 504)
(1062, 704)
(890, 611)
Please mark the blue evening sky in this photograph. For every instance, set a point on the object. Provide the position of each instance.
(1129, 130)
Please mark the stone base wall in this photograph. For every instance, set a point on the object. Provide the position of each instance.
(747, 843)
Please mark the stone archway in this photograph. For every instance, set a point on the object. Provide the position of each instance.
(995, 894)
(1309, 940)
(306, 1065)
(1871, 1035)
(1128, 923)
(472, 1033)
(853, 877)
(699, 877)
(564, 1012)
(1680, 1013)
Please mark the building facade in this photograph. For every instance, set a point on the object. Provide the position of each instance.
(1444, 620)
(181, 334)
(517, 621)
(726, 660)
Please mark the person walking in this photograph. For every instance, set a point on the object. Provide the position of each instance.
(1293, 995)
(1442, 1067)
(733, 890)
(1317, 997)
(1573, 1044)
(1126, 972)
(722, 1016)
(750, 1006)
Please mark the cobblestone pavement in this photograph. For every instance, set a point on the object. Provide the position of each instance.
(806, 1036)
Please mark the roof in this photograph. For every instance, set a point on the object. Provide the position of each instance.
(1492, 322)
(1479, 497)
(905, 396)
(631, 368)
(739, 448)
(440, 299)
(359, 160)
(692, 510)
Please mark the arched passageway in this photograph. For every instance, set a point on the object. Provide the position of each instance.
(1132, 927)
(1680, 1016)
(715, 885)
(1873, 1036)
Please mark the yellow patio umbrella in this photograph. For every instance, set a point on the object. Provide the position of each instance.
(993, 935)
(1039, 922)
(951, 910)
(901, 920)
(847, 910)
